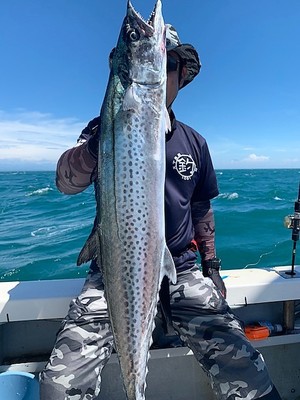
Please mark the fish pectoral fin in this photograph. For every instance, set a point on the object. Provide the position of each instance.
(168, 266)
(89, 250)
(131, 101)
(168, 274)
(164, 297)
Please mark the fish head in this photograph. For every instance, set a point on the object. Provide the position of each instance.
(140, 55)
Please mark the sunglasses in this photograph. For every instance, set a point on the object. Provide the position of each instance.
(172, 64)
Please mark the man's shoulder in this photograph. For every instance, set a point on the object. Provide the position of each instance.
(191, 132)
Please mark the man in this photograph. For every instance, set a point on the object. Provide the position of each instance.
(199, 311)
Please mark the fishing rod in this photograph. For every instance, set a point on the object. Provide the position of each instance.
(293, 222)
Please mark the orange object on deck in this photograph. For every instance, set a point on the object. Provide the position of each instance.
(254, 332)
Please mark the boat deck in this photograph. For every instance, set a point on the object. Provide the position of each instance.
(30, 314)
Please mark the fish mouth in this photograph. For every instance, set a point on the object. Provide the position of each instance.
(148, 25)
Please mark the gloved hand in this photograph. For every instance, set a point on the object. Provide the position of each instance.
(91, 132)
(211, 268)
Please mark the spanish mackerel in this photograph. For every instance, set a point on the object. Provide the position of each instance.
(129, 236)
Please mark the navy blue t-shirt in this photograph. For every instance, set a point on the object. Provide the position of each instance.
(190, 177)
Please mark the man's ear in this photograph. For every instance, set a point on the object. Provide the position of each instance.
(183, 75)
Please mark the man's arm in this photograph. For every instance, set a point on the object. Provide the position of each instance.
(204, 226)
(77, 167)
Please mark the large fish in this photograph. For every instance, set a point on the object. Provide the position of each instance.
(129, 238)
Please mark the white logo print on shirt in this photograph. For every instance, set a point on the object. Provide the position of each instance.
(184, 165)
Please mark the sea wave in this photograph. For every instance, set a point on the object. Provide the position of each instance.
(62, 231)
(229, 196)
(278, 198)
(39, 192)
(44, 231)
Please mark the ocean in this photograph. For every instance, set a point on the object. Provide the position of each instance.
(42, 230)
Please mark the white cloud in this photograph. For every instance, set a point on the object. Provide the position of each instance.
(33, 137)
(248, 148)
(253, 157)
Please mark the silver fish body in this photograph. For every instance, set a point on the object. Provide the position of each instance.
(129, 238)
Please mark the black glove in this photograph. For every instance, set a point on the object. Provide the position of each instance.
(211, 268)
(92, 130)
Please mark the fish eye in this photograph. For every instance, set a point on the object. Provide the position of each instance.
(133, 35)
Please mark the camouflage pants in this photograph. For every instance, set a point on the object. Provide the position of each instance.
(203, 320)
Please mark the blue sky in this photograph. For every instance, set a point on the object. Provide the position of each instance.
(245, 101)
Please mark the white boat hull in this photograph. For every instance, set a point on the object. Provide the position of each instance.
(30, 314)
